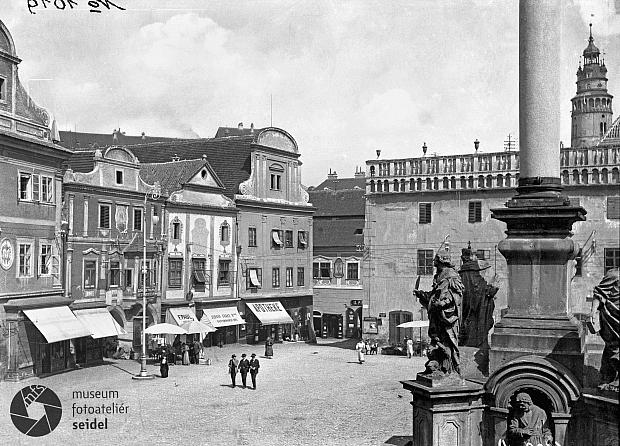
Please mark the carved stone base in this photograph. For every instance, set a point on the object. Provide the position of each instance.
(447, 410)
(596, 419)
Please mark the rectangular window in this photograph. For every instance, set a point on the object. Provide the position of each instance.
(2, 93)
(301, 280)
(275, 277)
(483, 254)
(150, 275)
(302, 239)
(45, 259)
(90, 273)
(128, 278)
(25, 186)
(47, 189)
(316, 270)
(276, 238)
(289, 276)
(104, 216)
(115, 274)
(175, 273)
(137, 219)
(36, 196)
(254, 278)
(612, 258)
(25, 259)
(288, 239)
(425, 262)
(275, 181)
(613, 208)
(225, 233)
(252, 237)
(475, 211)
(353, 271)
(425, 213)
(223, 277)
(325, 270)
(176, 230)
(119, 177)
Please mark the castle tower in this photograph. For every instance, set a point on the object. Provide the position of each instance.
(591, 114)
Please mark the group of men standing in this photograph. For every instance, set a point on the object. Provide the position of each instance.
(243, 367)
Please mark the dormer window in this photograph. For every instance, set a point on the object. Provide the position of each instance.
(119, 177)
(275, 171)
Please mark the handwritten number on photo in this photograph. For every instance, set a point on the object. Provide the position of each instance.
(95, 5)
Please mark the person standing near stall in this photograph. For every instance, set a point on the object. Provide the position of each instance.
(254, 366)
(409, 343)
(185, 352)
(269, 348)
(163, 365)
(233, 368)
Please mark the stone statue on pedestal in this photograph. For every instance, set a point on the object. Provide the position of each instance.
(605, 320)
(478, 301)
(527, 424)
(443, 304)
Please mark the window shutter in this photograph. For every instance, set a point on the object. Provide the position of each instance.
(36, 180)
(613, 208)
(472, 212)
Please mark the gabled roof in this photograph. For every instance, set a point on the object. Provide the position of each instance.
(89, 141)
(340, 232)
(342, 183)
(224, 132)
(174, 174)
(329, 203)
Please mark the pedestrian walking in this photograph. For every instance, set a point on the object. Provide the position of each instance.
(360, 347)
(163, 365)
(197, 351)
(269, 348)
(254, 366)
(185, 350)
(409, 343)
(244, 368)
(233, 368)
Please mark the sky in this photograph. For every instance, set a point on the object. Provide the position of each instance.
(344, 78)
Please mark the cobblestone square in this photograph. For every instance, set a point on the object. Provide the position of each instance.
(307, 395)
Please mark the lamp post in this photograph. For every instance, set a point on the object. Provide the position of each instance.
(154, 193)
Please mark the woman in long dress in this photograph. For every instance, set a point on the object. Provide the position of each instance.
(163, 366)
(360, 347)
(269, 348)
(185, 354)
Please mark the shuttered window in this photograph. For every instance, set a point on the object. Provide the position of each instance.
(104, 216)
(425, 213)
(175, 273)
(613, 208)
(475, 211)
(425, 262)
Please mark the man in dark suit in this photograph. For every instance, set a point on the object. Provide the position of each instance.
(233, 365)
(254, 366)
(244, 367)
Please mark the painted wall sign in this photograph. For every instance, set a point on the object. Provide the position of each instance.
(7, 254)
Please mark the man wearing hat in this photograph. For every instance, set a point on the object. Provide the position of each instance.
(244, 367)
(443, 307)
(233, 368)
(254, 366)
(478, 301)
(527, 423)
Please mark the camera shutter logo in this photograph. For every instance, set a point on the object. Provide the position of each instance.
(36, 410)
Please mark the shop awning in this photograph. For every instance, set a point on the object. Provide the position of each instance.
(222, 317)
(254, 278)
(180, 315)
(199, 276)
(270, 312)
(57, 323)
(100, 322)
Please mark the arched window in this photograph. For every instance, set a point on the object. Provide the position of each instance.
(597, 102)
(453, 182)
(429, 184)
(436, 183)
(615, 175)
(565, 177)
(584, 176)
(500, 180)
(379, 186)
(418, 184)
(402, 185)
(463, 183)
(489, 181)
(600, 125)
(225, 233)
(508, 181)
(395, 185)
(446, 183)
(595, 176)
(372, 185)
(480, 181)
(411, 184)
(591, 103)
(604, 176)
(470, 182)
(575, 177)
(386, 186)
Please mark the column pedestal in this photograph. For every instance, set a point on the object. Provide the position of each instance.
(446, 412)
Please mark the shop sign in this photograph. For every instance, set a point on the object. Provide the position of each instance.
(382, 315)
(356, 302)
(7, 254)
(370, 325)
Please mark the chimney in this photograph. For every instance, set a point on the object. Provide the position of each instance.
(332, 176)
(176, 158)
(226, 132)
(114, 135)
(204, 156)
(359, 173)
(240, 126)
(252, 127)
(143, 136)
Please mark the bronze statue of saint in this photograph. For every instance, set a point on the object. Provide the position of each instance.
(527, 424)
(443, 304)
(605, 319)
(478, 301)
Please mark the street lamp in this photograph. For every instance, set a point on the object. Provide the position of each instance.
(154, 193)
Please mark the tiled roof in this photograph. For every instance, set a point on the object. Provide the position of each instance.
(329, 203)
(342, 183)
(171, 175)
(337, 232)
(87, 141)
(223, 132)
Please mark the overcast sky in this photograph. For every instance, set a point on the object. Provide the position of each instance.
(347, 77)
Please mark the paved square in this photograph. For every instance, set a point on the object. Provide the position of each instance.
(307, 395)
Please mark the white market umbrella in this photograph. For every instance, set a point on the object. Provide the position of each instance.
(197, 327)
(165, 328)
(413, 324)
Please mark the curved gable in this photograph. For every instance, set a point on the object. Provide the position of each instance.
(277, 139)
(120, 154)
(6, 41)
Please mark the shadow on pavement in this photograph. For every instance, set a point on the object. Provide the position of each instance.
(122, 369)
(400, 440)
(348, 344)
